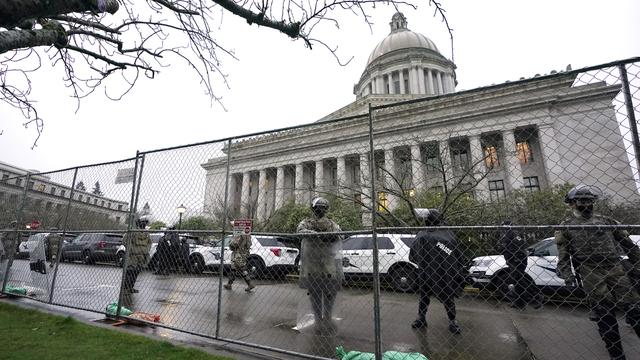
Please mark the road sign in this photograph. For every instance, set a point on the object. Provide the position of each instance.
(242, 226)
(125, 175)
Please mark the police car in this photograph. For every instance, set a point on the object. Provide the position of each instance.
(492, 271)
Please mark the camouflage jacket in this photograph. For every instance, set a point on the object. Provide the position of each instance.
(241, 247)
(138, 245)
(321, 255)
(593, 245)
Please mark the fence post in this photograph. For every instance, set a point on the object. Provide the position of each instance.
(132, 209)
(224, 226)
(19, 211)
(376, 267)
(633, 125)
(64, 231)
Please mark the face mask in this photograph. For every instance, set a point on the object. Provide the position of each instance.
(319, 211)
(585, 210)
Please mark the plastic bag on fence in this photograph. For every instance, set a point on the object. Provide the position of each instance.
(387, 355)
(15, 290)
(112, 309)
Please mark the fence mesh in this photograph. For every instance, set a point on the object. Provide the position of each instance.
(511, 272)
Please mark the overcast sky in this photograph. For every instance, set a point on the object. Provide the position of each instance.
(278, 82)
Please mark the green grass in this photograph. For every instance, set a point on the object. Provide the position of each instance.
(29, 334)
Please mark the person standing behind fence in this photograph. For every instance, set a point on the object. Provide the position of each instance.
(163, 255)
(9, 243)
(321, 262)
(514, 250)
(175, 247)
(138, 245)
(594, 254)
(240, 246)
(441, 268)
(54, 241)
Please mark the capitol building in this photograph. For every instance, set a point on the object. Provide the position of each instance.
(490, 141)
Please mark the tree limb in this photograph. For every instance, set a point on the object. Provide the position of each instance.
(13, 12)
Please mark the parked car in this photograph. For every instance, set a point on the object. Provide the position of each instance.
(268, 256)
(192, 264)
(393, 258)
(491, 271)
(92, 247)
(30, 243)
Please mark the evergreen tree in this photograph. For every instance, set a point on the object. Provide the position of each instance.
(96, 189)
(80, 186)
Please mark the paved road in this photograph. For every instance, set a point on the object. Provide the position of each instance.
(270, 314)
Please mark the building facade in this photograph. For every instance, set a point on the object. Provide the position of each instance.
(523, 135)
(46, 196)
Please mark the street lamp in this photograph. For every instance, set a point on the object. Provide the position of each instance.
(181, 209)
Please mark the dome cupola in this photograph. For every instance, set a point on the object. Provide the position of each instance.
(406, 62)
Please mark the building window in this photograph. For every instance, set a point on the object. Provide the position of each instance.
(18, 182)
(357, 199)
(432, 158)
(333, 173)
(119, 207)
(52, 190)
(531, 183)
(5, 177)
(405, 77)
(459, 155)
(410, 193)
(109, 205)
(524, 152)
(382, 201)
(496, 190)
(41, 187)
(31, 184)
(491, 157)
(102, 203)
(79, 197)
(95, 201)
(63, 193)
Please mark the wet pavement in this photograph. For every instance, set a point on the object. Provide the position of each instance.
(273, 316)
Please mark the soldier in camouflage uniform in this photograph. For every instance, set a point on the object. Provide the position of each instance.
(54, 241)
(137, 245)
(321, 261)
(240, 247)
(595, 256)
(9, 242)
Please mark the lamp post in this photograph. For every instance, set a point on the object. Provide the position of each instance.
(181, 209)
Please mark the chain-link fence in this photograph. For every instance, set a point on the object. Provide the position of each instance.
(512, 265)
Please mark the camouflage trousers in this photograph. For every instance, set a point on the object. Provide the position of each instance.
(608, 281)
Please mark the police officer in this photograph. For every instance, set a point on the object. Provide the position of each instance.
(54, 242)
(321, 262)
(240, 247)
(173, 239)
(137, 244)
(9, 242)
(441, 268)
(596, 259)
(514, 250)
(163, 253)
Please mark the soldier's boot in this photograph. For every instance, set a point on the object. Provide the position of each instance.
(454, 327)
(247, 279)
(609, 332)
(419, 323)
(229, 284)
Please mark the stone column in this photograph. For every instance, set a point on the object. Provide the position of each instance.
(421, 80)
(514, 170)
(299, 184)
(244, 196)
(445, 83)
(279, 198)
(430, 82)
(262, 195)
(417, 170)
(413, 81)
(319, 178)
(439, 82)
(479, 168)
(365, 189)
(551, 154)
(380, 82)
(390, 183)
(401, 79)
(392, 89)
(342, 172)
(447, 164)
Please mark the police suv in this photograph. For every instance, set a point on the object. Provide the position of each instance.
(492, 271)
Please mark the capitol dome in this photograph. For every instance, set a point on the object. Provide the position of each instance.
(406, 62)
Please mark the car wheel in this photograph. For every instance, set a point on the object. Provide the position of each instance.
(86, 257)
(120, 259)
(197, 264)
(403, 278)
(256, 268)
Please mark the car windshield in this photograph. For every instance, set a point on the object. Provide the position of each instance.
(36, 237)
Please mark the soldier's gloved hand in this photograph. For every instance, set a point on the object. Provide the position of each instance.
(570, 280)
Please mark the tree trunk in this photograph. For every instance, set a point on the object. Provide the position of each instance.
(12, 12)
(16, 39)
